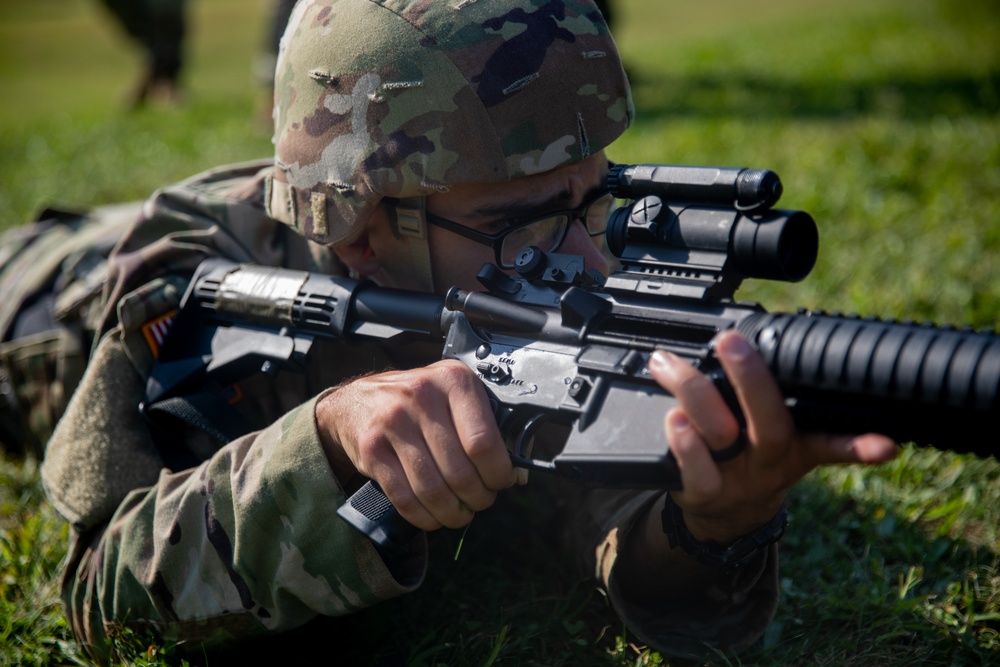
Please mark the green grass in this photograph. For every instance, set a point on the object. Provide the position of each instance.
(883, 119)
(65, 134)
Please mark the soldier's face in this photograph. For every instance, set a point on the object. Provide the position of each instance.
(456, 260)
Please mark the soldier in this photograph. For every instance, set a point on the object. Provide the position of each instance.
(493, 116)
(158, 27)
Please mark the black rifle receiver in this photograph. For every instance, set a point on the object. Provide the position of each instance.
(556, 343)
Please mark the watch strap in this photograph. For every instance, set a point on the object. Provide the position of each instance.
(731, 557)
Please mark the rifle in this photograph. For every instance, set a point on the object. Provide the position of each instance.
(558, 344)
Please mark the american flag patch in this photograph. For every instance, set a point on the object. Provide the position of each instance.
(156, 331)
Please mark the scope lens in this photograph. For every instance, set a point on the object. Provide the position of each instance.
(778, 245)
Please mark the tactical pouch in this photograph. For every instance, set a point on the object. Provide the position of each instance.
(52, 274)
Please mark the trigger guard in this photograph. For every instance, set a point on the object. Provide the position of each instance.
(520, 450)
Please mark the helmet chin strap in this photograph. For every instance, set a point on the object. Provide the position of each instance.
(409, 222)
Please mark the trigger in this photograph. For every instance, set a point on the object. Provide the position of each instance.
(525, 440)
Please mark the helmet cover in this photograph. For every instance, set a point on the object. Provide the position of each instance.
(404, 98)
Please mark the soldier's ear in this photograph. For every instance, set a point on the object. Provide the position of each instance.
(359, 257)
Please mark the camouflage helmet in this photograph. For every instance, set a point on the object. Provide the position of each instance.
(404, 98)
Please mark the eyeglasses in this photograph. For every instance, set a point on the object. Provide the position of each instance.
(546, 231)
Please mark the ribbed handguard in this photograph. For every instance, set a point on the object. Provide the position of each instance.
(934, 386)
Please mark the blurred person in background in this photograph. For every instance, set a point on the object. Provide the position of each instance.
(159, 28)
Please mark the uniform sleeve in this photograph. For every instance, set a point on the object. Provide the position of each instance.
(246, 544)
(726, 617)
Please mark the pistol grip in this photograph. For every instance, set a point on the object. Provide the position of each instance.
(370, 512)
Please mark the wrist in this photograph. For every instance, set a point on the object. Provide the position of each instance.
(739, 519)
(341, 464)
(726, 529)
(719, 546)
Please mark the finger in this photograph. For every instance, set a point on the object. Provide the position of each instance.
(454, 465)
(477, 431)
(384, 426)
(700, 475)
(826, 449)
(457, 438)
(769, 424)
(702, 403)
(398, 457)
(391, 476)
(430, 490)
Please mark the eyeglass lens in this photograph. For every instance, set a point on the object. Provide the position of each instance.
(547, 233)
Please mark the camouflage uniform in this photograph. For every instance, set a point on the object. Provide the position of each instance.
(241, 542)
(179, 552)
(51, 275)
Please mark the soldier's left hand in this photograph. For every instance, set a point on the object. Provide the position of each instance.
(722, 501)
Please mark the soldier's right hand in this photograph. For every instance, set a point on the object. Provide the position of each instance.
(427, 436)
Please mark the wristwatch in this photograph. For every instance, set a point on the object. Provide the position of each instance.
(731, 558)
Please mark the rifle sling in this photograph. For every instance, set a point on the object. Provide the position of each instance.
(207, 411)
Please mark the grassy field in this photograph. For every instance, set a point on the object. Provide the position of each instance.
(883, 119)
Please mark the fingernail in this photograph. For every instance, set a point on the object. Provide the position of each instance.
(735, 347)
(679, 421)
(661, 360)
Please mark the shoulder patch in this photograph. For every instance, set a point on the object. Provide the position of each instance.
(155, 332)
